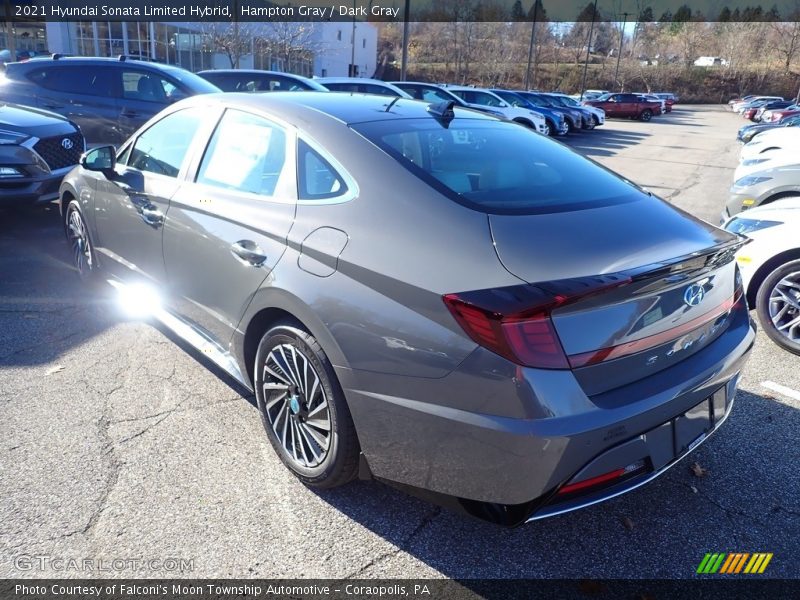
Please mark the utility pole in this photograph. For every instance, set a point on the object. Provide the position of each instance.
(619, 56)
(404, 61)
(588, 47)
(533, 42)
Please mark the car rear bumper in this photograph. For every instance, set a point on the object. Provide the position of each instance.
(513, 436)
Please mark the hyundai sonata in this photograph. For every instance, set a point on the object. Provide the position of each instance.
(422, 294)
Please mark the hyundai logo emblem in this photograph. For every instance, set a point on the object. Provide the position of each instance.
(694, 295)
(67, 144)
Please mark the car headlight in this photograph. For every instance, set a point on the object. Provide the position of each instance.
(744, 226)
(750, 180)
(12, 137)
(753, 161)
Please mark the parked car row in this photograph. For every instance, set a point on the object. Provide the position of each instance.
(764, 206)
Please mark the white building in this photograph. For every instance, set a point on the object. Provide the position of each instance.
(330, 49)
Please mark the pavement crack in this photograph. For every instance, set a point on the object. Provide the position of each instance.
(146, 429)
(402, 547)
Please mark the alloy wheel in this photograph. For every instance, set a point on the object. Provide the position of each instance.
(80, 243)
(784, 306)
(296, 405)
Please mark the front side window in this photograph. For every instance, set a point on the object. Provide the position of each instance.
(246, 153)
(317, 179)
(497, 167)
(149, 87)
(163, 147)
(481, 98)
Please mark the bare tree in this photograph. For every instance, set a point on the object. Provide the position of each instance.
(290, 41)
(786, 41)
(233, 40)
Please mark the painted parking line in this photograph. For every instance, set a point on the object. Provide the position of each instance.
(781, 389)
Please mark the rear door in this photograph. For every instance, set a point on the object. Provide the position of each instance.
(143, 94)
(83, 94)
(228, 224)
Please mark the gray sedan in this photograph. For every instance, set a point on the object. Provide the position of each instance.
(423, 294)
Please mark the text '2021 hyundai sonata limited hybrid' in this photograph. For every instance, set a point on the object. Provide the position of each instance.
(430, 296)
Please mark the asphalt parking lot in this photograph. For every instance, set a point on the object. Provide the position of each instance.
(118, 443)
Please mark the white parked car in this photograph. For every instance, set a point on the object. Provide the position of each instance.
(359, 85)
(781, 138)
(482, 98)
(770, 267)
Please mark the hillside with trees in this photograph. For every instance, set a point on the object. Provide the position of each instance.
(755, 51)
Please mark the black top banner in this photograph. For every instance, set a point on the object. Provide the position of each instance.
(402, 10)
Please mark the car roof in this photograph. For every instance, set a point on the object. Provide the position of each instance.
(95, 61)
(351, 80)
(348, 108)
(249, 72)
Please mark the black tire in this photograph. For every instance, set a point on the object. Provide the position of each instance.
(646, 115)
(551, 128)
(76, 229)
(286, 354)
(571, 126)
(590, 124)
(769, 303)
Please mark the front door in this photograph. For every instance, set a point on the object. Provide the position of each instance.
(227, 229)
(132, 202)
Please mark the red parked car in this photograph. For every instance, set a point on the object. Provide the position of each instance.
(626, 105)
(775, 115)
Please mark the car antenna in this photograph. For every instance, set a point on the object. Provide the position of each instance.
(391, 104)
(443, 111)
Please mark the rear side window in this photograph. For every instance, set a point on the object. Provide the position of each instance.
(247, 153)
(162, 148)
(498, 167)
(86, 81)
(317, 179)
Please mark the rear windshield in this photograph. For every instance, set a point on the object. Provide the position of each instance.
(195, 83)
(498, 167)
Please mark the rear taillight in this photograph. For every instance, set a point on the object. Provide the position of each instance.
(530, 341)
(515, 321)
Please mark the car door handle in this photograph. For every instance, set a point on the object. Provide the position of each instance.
(152, 216)
(248, 251)
(52, 105)
(129, 113)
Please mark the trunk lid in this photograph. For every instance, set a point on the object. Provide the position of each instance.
(679, 285)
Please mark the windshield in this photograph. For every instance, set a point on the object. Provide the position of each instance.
(497, 167)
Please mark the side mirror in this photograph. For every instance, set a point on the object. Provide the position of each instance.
(102, 158)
